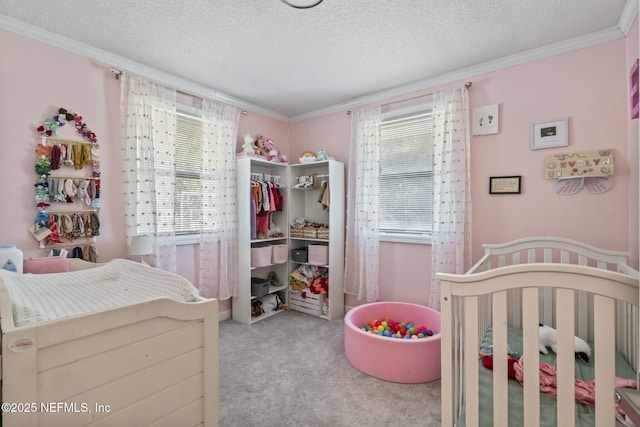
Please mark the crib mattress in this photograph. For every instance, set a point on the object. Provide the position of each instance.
(41, 297)
(584, 413)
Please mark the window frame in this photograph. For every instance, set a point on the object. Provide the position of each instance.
(416, 238)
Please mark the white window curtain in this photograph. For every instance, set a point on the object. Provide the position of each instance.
(148, 120)
(219, 227)
(362, 243)
(451, 247)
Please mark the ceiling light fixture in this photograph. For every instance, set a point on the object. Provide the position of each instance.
(302, 4)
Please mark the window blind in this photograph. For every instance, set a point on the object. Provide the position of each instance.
(188, 198)
(406, 174)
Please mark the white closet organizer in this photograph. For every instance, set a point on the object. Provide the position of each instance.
(305, 201)
(249, 169)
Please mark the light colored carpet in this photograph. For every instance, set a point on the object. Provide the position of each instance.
(290, 370)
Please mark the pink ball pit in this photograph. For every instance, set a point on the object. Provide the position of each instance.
(393, 359)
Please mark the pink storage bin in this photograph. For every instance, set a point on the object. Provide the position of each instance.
(261, 256)
(318, 254)
(280, 253)
(46, 265)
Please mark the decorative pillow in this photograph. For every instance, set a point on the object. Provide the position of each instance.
(45, 265)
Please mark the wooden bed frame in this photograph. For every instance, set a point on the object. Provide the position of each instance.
(152, 363)
(576, 288)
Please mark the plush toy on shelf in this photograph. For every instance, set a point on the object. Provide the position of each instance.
(265, 147)
(248, 147)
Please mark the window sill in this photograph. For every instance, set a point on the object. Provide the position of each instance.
(404, 238)
(186, 239)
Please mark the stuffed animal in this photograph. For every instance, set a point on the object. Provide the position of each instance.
(321, 155)
(248, 146)
(42, 218)
(548, 337)
(261, 146)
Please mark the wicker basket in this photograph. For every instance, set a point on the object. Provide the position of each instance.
(296, 232)
(309, 233)
(322, 232)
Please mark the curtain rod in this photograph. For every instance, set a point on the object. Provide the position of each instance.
(467, 85)
(117, 73)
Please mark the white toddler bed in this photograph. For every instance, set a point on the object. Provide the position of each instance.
(576, 288)
(119, 344)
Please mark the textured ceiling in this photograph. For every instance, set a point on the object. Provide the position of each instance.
(293, 61)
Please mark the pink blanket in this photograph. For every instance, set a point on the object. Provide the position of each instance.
(585, 390)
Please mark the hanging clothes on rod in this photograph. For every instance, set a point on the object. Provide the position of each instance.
(266, 199)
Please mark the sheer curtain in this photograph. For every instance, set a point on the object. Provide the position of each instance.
(451, 247)
(362, 243)
(219, 228)
(148, 121)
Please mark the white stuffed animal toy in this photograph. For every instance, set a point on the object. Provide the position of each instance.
(548, 337)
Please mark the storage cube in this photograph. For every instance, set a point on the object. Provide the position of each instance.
(259, 287)
(299, 255)
(280, 253)
(318, 255)
(261, 256)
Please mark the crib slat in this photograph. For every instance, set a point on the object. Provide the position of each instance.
(582, 315)
(565, 357)
(546, 310)
(448, 366)
(604, 312)
(531, 255)
(471, 360)
(531, 375)
(500, 391)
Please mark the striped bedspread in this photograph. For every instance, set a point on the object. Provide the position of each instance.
(40, 297)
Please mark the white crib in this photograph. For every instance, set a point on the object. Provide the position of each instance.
(576, 288)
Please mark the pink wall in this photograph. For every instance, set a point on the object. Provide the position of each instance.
(589, 86)
(633, 129)
(35, 80)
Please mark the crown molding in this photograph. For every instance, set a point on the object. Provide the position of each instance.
(621, 30)
(121, 63)
(629, 14)
(565, 46)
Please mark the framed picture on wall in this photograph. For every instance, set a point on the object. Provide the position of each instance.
(505, 184)
(549, 134)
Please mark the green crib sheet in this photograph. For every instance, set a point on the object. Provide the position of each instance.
(584, 413)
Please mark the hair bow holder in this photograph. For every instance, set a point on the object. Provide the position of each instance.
(589, 170)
